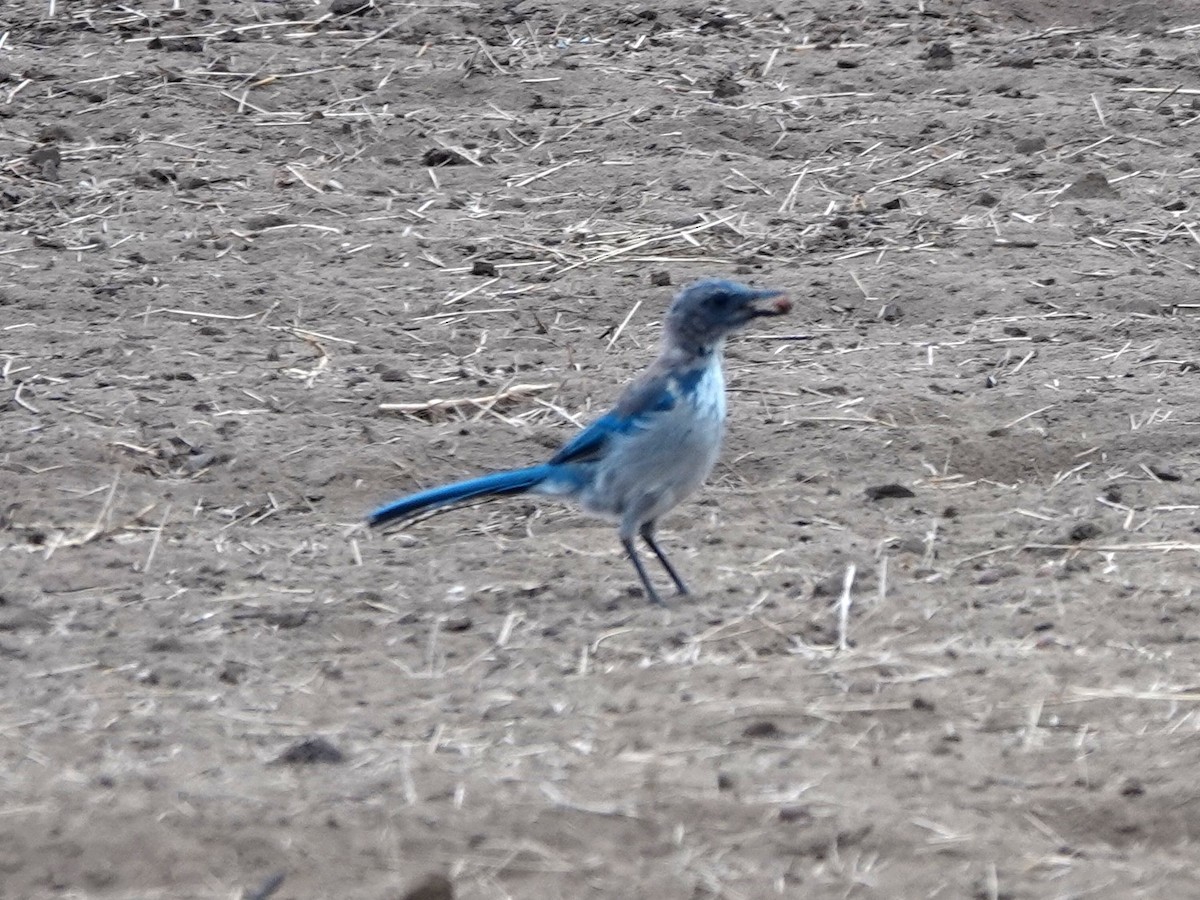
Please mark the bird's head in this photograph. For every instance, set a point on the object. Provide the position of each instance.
(703, 313)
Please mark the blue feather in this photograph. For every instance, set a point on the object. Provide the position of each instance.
(651, 395)
(587, 445)
(518, 481)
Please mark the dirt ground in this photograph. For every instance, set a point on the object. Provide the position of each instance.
(231, 231)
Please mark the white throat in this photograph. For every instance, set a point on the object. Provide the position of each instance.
(710, 390)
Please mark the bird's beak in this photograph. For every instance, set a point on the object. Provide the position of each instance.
(778, 306)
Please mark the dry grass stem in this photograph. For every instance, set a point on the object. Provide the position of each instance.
(486, 402)
(843, 628)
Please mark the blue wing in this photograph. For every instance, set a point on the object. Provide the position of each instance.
(653, 393)
(589, 443)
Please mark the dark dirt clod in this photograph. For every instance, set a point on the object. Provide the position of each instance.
(441, 156)
(1133, 787)
(762, 729)
(432, 887)
(1084, 531)
(939, 56)
(726, 86)
(888, 491)
(1030, 145)
(311, 751)
(46, 160)
(796, 815)
(392, 375)
(1092, 186)
(351, 7)
(270, 885)
(1164, 472)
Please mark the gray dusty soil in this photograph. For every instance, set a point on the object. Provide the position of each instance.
(232, 231)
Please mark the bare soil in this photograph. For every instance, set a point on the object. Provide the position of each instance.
(231, 231)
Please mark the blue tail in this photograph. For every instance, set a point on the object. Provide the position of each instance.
(517, 481)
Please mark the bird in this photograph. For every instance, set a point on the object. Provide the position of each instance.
(655, 447)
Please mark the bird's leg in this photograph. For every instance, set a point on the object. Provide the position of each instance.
(647, 532)
(651, 593)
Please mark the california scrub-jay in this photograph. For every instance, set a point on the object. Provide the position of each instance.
(658, 443)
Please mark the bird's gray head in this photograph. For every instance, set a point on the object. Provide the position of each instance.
(703, 313)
